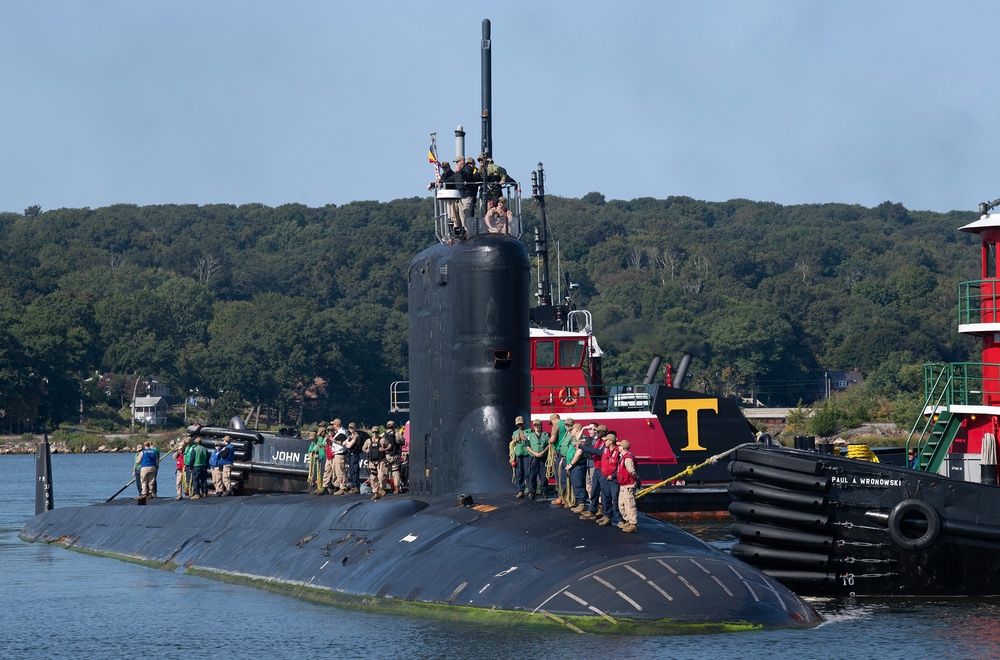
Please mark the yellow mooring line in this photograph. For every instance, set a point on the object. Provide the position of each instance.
(688, 471)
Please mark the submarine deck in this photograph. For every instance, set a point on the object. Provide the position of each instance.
(522, 561)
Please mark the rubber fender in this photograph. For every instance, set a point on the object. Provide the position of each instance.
(755, 512)
(777, 536)
(773, 475)
(907, 508)
(786, 459)
(799, 577)
(755, 492)
(757, 555)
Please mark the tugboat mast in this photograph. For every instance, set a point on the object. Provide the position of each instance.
(544, 294)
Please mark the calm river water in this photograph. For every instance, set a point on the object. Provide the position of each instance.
(58, 603)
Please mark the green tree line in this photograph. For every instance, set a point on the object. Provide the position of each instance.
(301, 311)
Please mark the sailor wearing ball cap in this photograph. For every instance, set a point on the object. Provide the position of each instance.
(519, 455)
(465, 173)
(628, 479)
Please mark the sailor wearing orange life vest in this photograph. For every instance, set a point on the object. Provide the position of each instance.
(628, 479)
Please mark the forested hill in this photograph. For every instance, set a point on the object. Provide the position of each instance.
(262, 305)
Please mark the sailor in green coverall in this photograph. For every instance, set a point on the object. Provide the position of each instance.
(538, 447)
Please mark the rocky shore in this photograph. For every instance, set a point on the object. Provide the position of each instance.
(17, 445)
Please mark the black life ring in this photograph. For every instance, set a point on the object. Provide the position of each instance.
(566, 396)
(921, 508)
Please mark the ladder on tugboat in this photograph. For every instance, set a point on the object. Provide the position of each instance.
(940, 427)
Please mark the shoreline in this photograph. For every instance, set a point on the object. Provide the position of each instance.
(29, 448)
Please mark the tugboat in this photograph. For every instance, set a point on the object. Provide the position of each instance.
(459, 546)
(826, 525)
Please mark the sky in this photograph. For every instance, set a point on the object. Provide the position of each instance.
(326, 102)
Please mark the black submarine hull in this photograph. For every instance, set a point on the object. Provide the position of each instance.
(511, 562)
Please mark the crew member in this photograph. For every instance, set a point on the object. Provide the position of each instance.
(197, 460)
(315, 463)
(628, 479)
(448, 181)
(538, 447)
(595, 450)
(567, 449)
(554, 457)
(377, 467)
(609, 468)
(329, 472)
(226, 458)
(137, 471)
(355, 440)
(180, 478)
(576, 467)
(392, 445)
(519, 449)
(338, 440)
(216, 469)
(467, 174)
(148, 462)
(496, 177)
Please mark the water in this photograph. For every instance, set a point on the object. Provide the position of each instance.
(59, 603)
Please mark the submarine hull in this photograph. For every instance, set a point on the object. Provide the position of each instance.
(514, 562)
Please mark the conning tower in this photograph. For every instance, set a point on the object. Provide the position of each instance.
(469, 348)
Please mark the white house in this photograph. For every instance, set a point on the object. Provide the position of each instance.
(150, 410)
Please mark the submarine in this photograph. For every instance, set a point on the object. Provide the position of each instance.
(459, 546)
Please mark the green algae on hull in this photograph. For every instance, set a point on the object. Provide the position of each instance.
(461, 614)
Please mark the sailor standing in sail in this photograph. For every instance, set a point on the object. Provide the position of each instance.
(467, 174)
(448, 180)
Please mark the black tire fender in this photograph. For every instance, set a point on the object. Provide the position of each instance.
(921, 508)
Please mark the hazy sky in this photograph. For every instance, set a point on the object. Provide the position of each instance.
(319, 102)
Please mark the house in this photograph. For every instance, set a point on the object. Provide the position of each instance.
(150, 410)
(832, 382)
(156, 388)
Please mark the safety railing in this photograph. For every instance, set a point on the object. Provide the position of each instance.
(592, 398)
(962, 383)
(399, 396)
(482, 222)
(978, 302)
(560, 398)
